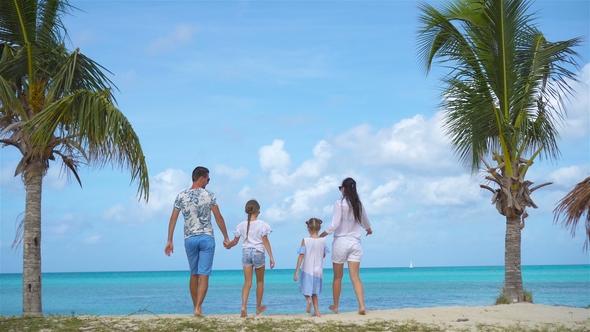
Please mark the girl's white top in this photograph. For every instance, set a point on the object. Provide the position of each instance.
(343, 222)
(314, 250)
(258, 230)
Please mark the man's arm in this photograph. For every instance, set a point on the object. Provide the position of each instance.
(220, 223)
(170, 245)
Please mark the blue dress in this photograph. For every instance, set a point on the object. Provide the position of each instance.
(312, 271)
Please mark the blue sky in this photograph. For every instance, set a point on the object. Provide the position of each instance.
(281, 101)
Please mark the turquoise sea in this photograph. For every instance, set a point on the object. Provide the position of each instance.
(123, 293)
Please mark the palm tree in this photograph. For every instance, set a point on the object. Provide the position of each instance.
(573, 206)
(55, 105)
(502, 98)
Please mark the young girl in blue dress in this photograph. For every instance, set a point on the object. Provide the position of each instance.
(255, 234)
(312, 252)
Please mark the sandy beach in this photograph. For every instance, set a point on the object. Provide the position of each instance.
(450, 318)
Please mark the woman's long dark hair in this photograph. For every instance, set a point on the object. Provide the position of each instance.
(352, 198)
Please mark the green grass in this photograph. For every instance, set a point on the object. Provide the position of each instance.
(134, 323)
(503, 299)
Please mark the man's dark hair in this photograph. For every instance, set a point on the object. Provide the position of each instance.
(200, 171)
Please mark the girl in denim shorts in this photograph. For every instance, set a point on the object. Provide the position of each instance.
(255, 234)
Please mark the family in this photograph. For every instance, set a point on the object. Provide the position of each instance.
(348, 221)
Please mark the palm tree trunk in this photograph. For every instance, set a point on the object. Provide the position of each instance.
(32, 240)
(512, 268)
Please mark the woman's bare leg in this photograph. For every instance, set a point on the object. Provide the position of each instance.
(354, 270)
(246, 290)
(337, 286)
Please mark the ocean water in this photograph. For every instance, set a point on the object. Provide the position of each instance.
(124, 293)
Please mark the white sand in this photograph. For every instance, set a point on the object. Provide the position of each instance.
(452, 318)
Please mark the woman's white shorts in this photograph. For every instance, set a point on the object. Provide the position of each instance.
(345, 249)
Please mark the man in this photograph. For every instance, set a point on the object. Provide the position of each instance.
(196, 205)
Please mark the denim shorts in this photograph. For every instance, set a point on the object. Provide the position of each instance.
(200, 250)
(252, 257)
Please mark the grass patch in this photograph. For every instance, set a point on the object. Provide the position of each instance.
(503, 299)
(141, 324)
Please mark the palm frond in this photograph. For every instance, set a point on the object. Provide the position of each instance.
(90, 119)
(505, 83)
(9, 103)
(17, 21)
(572, 208)
(50, 28)
(77, 72)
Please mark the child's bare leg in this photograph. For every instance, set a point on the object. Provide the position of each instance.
(308, 309)
(260, 290)
(246, 290)
(316, 306)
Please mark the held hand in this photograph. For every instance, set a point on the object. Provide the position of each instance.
(226, 244)
(169, 249)
(272, 263)
(369, 232)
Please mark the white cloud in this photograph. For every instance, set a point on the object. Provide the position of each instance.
(414, 144)
(459, 190)
(395, 167)
(245, 193)
(127, 79)
(83, 37)
(577, 123)
(387, 197)
(275, 159)
(233, 173)
(322, 153)
(275, 213)
(181, 35)
(164, 187)
(303, 203)
(56, 178)
(567, 177)
(65, 226)
(7, 178)
(304, 200)
(271, 65)
(115, 213)
(59, 229)
(93, 239)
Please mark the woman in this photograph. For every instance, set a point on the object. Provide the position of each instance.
(347, 222)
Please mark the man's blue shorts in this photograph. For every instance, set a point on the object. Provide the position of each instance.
(200, 250)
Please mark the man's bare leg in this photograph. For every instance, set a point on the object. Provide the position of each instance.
(194, 289)
(203, 286)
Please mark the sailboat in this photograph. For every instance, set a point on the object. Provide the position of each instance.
(411, 266)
